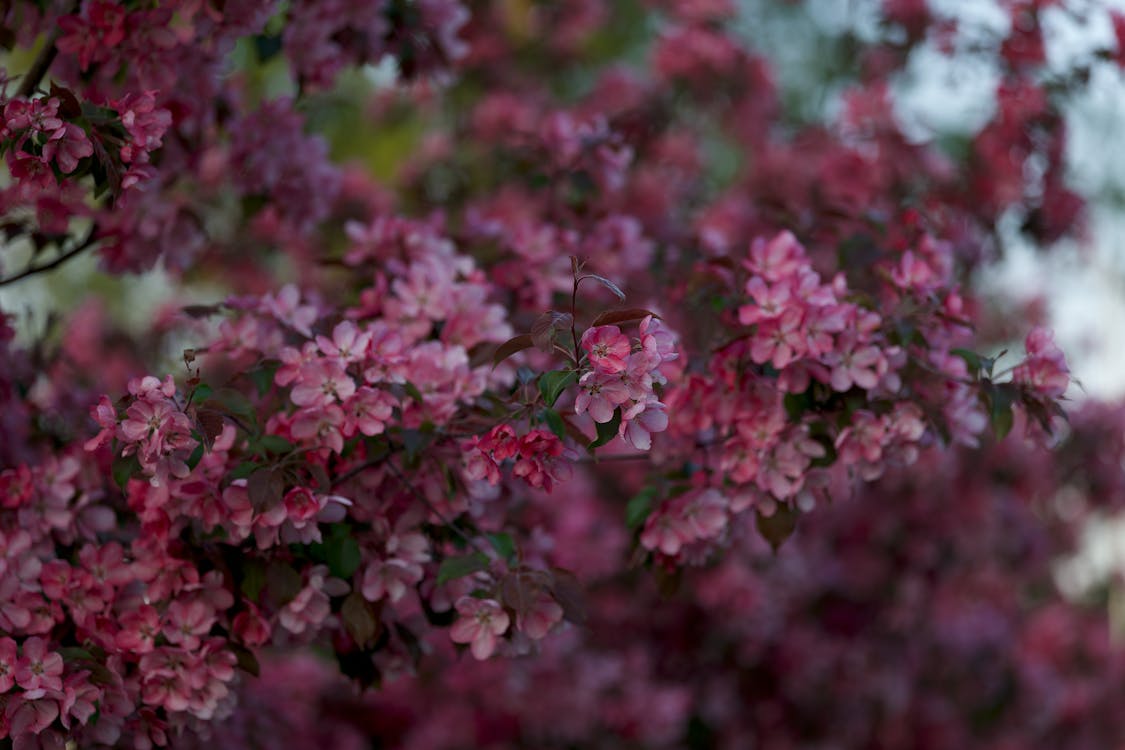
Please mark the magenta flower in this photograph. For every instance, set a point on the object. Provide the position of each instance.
(67, 146)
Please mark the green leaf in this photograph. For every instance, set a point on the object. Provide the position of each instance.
(235, 403)
(343, 556)
(1000, 399)
(607, 430)
(283, 582)
(124, 469)
(73, 653)
(262, 376)
(196, 456)
(245, 660)
(253, 579)
(453, 568)
(503, 544)
(796, 404)
(639, 508)
(553, 383)
(413, 442)
(555, 422)
(779, 526)
(972, 359)
(412, 391)
(275, 444)
(359, 619)
(243, 470)
(201, 393)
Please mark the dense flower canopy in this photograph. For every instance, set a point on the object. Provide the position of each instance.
(542, 372)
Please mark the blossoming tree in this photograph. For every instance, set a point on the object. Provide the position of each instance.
(548, 336)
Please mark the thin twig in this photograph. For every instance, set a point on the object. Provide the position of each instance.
(426, 501)
(616, 457)
(357, 470)
(78, 249)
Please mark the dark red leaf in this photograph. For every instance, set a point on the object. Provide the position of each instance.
(512, 346)
(568, 592)
(265, 487)
(546, 326)
(616, 317)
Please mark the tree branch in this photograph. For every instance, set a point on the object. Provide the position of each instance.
(78, 249)
(44, 59)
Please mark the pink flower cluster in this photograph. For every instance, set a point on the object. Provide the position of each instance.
(691, 517)
(1044, 370)
(538, 457)
(622, 376)
(804, 329)
(39, 137)
(155, 428)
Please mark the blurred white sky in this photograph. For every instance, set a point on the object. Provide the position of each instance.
(1083, 282)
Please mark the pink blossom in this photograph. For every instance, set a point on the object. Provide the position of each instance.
(286, 307)
(657, 341)
(479, 622)
(347, 344)
(543, 614)
(250, 627)
(640, 421)
(666, 532)
(368, 411)
(776, 259)
(1045, 367)
(599, 394)
(856, 365)
(94, 34)
(30, 715)
(139, 629)
(67, 146)
(637, 376)
(769, 301)
(106, 417)
(607, 348)
(8, 664)
(38, 669)
(389, 578)
(322, 383)
(186, 621)
(321, 426)
(779, 341)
